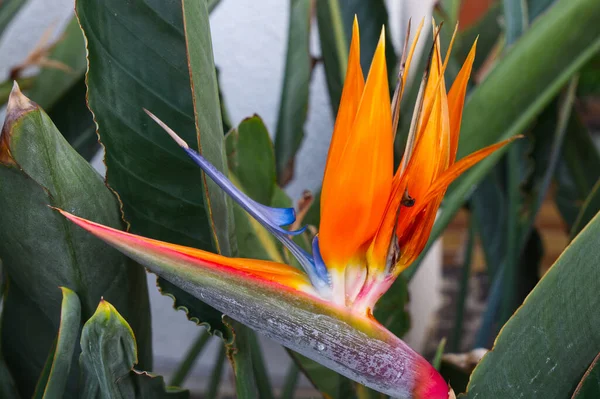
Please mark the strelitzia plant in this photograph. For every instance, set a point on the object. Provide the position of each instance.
(374, 223)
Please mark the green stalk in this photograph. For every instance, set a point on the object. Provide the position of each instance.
(439, 352)
(190, 358)
(512, 242)
(464, 286)
(215, 376)
(291, 381)
(263, 384)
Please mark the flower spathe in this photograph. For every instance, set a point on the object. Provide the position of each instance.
(375, 220)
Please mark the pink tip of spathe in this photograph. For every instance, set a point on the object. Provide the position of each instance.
(430, 384)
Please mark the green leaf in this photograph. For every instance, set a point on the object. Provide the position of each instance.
(372, 17)
(54, 382)
(207, 113)
(334, 48)
(508, 100)
(549, 342)
(293, 105)
(251, 163)
(8, 9)
(251, 159)
(589, 386)
(137, 59)
(109, 352)
(589, 209)
(40, 252)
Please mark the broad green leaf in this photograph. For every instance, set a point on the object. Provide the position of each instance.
(53, 383)
(589, 386)
(293, 104)
(372, 17)
(207, 114)
(8, 9)
(109, 353)
(251, 159)
(137, 59)
(251, 163)
(589, 209)
(334, 48)
(547, 345)
(40, 252)
(508, 100)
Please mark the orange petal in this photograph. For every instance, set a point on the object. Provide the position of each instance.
(351, 94)
(414, 224)
(272, 272)
(358, 186)
(456, 100)
(457, 169)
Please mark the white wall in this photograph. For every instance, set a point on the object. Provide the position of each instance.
(249, 39)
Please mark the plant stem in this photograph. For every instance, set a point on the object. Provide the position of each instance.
(215, 376)
(190, 358)
(291, 381)
(463, 288)
(263, 384)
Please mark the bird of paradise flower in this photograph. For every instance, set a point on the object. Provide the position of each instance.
(374, 223)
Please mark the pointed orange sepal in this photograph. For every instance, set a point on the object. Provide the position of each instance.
(358, 176)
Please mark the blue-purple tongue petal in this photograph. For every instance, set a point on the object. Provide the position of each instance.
(271, 218)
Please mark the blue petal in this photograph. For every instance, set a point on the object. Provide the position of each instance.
(272, 219)
(320, 268)
(268, 216)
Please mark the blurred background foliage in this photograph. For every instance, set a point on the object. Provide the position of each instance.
(537, 73)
